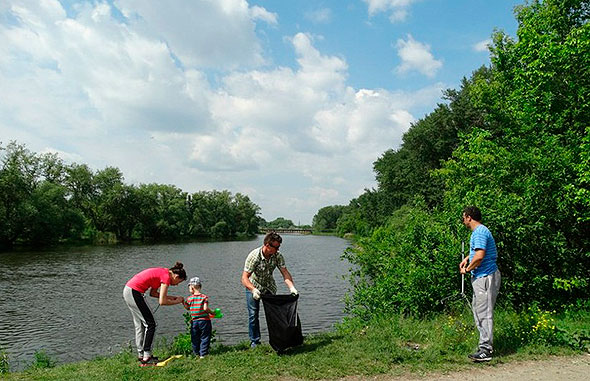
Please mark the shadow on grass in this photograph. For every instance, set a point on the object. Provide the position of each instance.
(311, 345)
(505, 344)
(221, 348)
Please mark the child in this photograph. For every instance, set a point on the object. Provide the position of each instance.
(198, 305)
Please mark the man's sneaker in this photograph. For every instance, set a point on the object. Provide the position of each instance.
(481, 356)
(254, 344)
(152, 361)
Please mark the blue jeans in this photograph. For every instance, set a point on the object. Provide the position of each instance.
(253, 323)
(201, 336)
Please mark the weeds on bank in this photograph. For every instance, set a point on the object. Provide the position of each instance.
(391, 344)
(4, 362)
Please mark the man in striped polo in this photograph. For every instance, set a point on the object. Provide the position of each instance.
(257, 278)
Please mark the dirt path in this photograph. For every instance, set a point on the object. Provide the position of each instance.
(575, 368)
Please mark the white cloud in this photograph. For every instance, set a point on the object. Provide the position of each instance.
(398, 16)
(482, 46)
(202, 33)
(398, 8)
(113, 76)
(319, 16)
(134, 93)
(259, 13)
(416, 56)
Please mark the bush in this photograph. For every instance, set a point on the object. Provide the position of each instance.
(182, 343)
(407, 266)
(4, 362)
(41, 360)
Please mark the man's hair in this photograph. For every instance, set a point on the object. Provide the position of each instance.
(272, 237)
(473, 212)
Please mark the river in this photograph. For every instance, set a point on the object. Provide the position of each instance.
(68, 301)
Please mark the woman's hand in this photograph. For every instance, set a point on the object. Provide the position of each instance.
(175, 299)
(166, 299)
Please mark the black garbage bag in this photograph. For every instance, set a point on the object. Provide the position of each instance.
(284, 326)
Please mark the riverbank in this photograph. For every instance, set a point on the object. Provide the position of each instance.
(70, 315)
(386, 347)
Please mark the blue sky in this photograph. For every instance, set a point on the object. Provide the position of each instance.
(289, 102)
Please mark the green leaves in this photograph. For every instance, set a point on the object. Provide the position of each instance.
(326, 218)
(514, 141)
(44, 201)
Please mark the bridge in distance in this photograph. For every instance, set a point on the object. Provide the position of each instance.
(287, 231)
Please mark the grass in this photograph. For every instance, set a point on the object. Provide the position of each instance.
(394, 345)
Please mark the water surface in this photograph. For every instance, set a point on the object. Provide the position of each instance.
(68, 301)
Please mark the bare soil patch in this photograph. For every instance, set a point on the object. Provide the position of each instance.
(571, 368)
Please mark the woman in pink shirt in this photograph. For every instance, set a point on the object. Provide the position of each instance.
(145, 326)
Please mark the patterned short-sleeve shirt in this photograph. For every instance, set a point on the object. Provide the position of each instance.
(261, 269)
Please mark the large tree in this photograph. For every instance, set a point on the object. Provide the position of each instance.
(523, 159)
(327, 217)
(525, 170)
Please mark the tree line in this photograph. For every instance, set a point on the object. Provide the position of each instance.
(281, 223)
(45, 201)
(514, 140)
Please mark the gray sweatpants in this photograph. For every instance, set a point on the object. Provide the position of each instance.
(143, 320)
(485, 291)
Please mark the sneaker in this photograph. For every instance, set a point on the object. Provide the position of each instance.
(254, 345)
(201, 357)
(152, 361)
(480, 356)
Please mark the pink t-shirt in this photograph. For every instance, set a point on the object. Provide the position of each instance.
(149, 278)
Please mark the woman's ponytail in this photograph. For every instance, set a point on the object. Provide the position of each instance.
(178, 269)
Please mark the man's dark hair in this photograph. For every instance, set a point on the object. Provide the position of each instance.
(272, 237)
(473, 212)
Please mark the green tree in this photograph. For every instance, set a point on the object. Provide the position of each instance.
(406, 173)
(79, 180)
(19, 176)
(106, 183)
(246, 215)
(407, 265)
(327, 217)
(34, 202)
(280, 223)
(527, 170)
(522, 157)
(51, 216)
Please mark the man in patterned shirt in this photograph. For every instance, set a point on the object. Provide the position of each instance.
(257, 278)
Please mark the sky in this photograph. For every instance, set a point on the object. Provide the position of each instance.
(287, 101)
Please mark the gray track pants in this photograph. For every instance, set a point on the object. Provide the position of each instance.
(143, 320)
(485, 291)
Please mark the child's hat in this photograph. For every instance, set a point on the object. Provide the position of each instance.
(194, 281)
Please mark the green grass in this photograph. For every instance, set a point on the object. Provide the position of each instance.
(394, 345)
